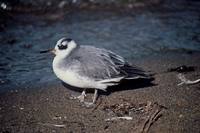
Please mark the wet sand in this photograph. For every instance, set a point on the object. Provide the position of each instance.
(49, 108)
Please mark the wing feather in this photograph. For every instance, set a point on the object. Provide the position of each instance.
(104, 65)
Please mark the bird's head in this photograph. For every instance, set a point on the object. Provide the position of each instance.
(63, 47)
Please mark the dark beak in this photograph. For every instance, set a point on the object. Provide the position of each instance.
(49, 50)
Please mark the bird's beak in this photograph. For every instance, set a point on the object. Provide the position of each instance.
(49, 50)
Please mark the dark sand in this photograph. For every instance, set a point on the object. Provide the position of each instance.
(40, 109)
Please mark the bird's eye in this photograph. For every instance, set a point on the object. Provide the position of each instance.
(61, 47)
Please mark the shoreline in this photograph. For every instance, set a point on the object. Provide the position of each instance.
(181, 57)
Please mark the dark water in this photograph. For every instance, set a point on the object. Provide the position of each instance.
(132, 35)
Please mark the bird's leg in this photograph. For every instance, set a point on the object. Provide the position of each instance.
(95, 96)
(82, 96)
(89, 104)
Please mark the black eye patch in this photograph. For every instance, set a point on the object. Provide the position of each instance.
(60, 47)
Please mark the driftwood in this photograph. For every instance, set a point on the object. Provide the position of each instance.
(187, 81)
(182, 69)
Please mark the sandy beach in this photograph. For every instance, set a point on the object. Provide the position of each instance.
(49, 108)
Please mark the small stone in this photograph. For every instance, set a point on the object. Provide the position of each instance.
(180, 116)
(21, 108)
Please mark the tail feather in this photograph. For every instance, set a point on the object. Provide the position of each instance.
(134, 72)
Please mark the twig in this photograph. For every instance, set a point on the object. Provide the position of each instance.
(151, 119)
(54, 125)
(186, 81)
(119, 118)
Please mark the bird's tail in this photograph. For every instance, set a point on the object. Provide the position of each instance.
(134, 72)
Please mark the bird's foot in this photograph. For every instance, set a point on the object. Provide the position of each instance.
(81, 98)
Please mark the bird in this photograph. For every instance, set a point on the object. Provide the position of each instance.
(89, 67)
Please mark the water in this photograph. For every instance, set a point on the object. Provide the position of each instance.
(132, 35)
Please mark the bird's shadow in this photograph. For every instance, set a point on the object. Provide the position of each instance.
(124, 85)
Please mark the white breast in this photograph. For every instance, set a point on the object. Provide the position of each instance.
(72, 77)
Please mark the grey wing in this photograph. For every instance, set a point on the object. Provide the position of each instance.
(98, 64)
(129, 71)
(101, 64)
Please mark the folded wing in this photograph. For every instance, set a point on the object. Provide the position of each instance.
(105, 66)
